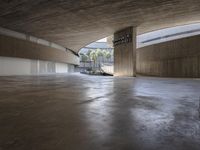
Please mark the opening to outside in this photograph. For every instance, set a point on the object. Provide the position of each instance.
(97, 57)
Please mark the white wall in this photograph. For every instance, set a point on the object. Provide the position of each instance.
(19, 66)
(62, 68)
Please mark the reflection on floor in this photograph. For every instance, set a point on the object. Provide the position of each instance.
(79, 112)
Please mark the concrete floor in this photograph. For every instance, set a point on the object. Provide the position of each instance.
(79, 112)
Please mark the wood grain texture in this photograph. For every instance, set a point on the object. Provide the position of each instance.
(125, 54)
(178, 58)
(75, 23)
(12, 47)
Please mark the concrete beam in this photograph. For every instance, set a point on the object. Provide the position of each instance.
(13, 47)
(73, 24)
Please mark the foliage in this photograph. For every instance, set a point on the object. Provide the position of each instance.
(93, 55)
(108, 55)
(97, 56)
(99, 53)
(88, 52)
(83, 57)
(104, 53)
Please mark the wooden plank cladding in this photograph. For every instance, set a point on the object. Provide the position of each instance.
(12, 47)
(125, 53)
(178, 58)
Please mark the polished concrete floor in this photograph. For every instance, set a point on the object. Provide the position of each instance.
(79, 112)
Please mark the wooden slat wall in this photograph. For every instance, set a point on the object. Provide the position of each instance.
(12, 47)
(178, 58)
(125, 54)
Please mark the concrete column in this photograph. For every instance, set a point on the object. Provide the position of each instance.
(125, 52)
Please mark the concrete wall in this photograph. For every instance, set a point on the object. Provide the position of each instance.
(33, 39)
(125, 53)
(19, 56)
(178, 58)
(19, 66)
(13, 47)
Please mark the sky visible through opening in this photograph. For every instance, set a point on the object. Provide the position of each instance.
(102, 40)
(164, 35)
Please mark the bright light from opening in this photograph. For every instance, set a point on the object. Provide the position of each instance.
(168, 34)
(102, 40)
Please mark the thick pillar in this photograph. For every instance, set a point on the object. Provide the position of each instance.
(125, 52)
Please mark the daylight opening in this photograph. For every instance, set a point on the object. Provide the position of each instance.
(97, 58)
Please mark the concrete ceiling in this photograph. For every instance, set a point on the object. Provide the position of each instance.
(76, 23)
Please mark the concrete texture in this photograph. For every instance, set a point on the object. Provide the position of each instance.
(12, 47)
(77, 112)
(178, 58)
(30, 38)
(125, 53)
(74, 24)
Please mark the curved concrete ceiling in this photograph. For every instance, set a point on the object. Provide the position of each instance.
(75, 23)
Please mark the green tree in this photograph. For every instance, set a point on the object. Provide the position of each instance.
(104, 54)
(93, 56)
(83, 57)
(99, 53)
(108, 55)
(88, 53)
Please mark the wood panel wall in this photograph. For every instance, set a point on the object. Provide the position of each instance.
(178, 58)
(12, 47)
(125, 54)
